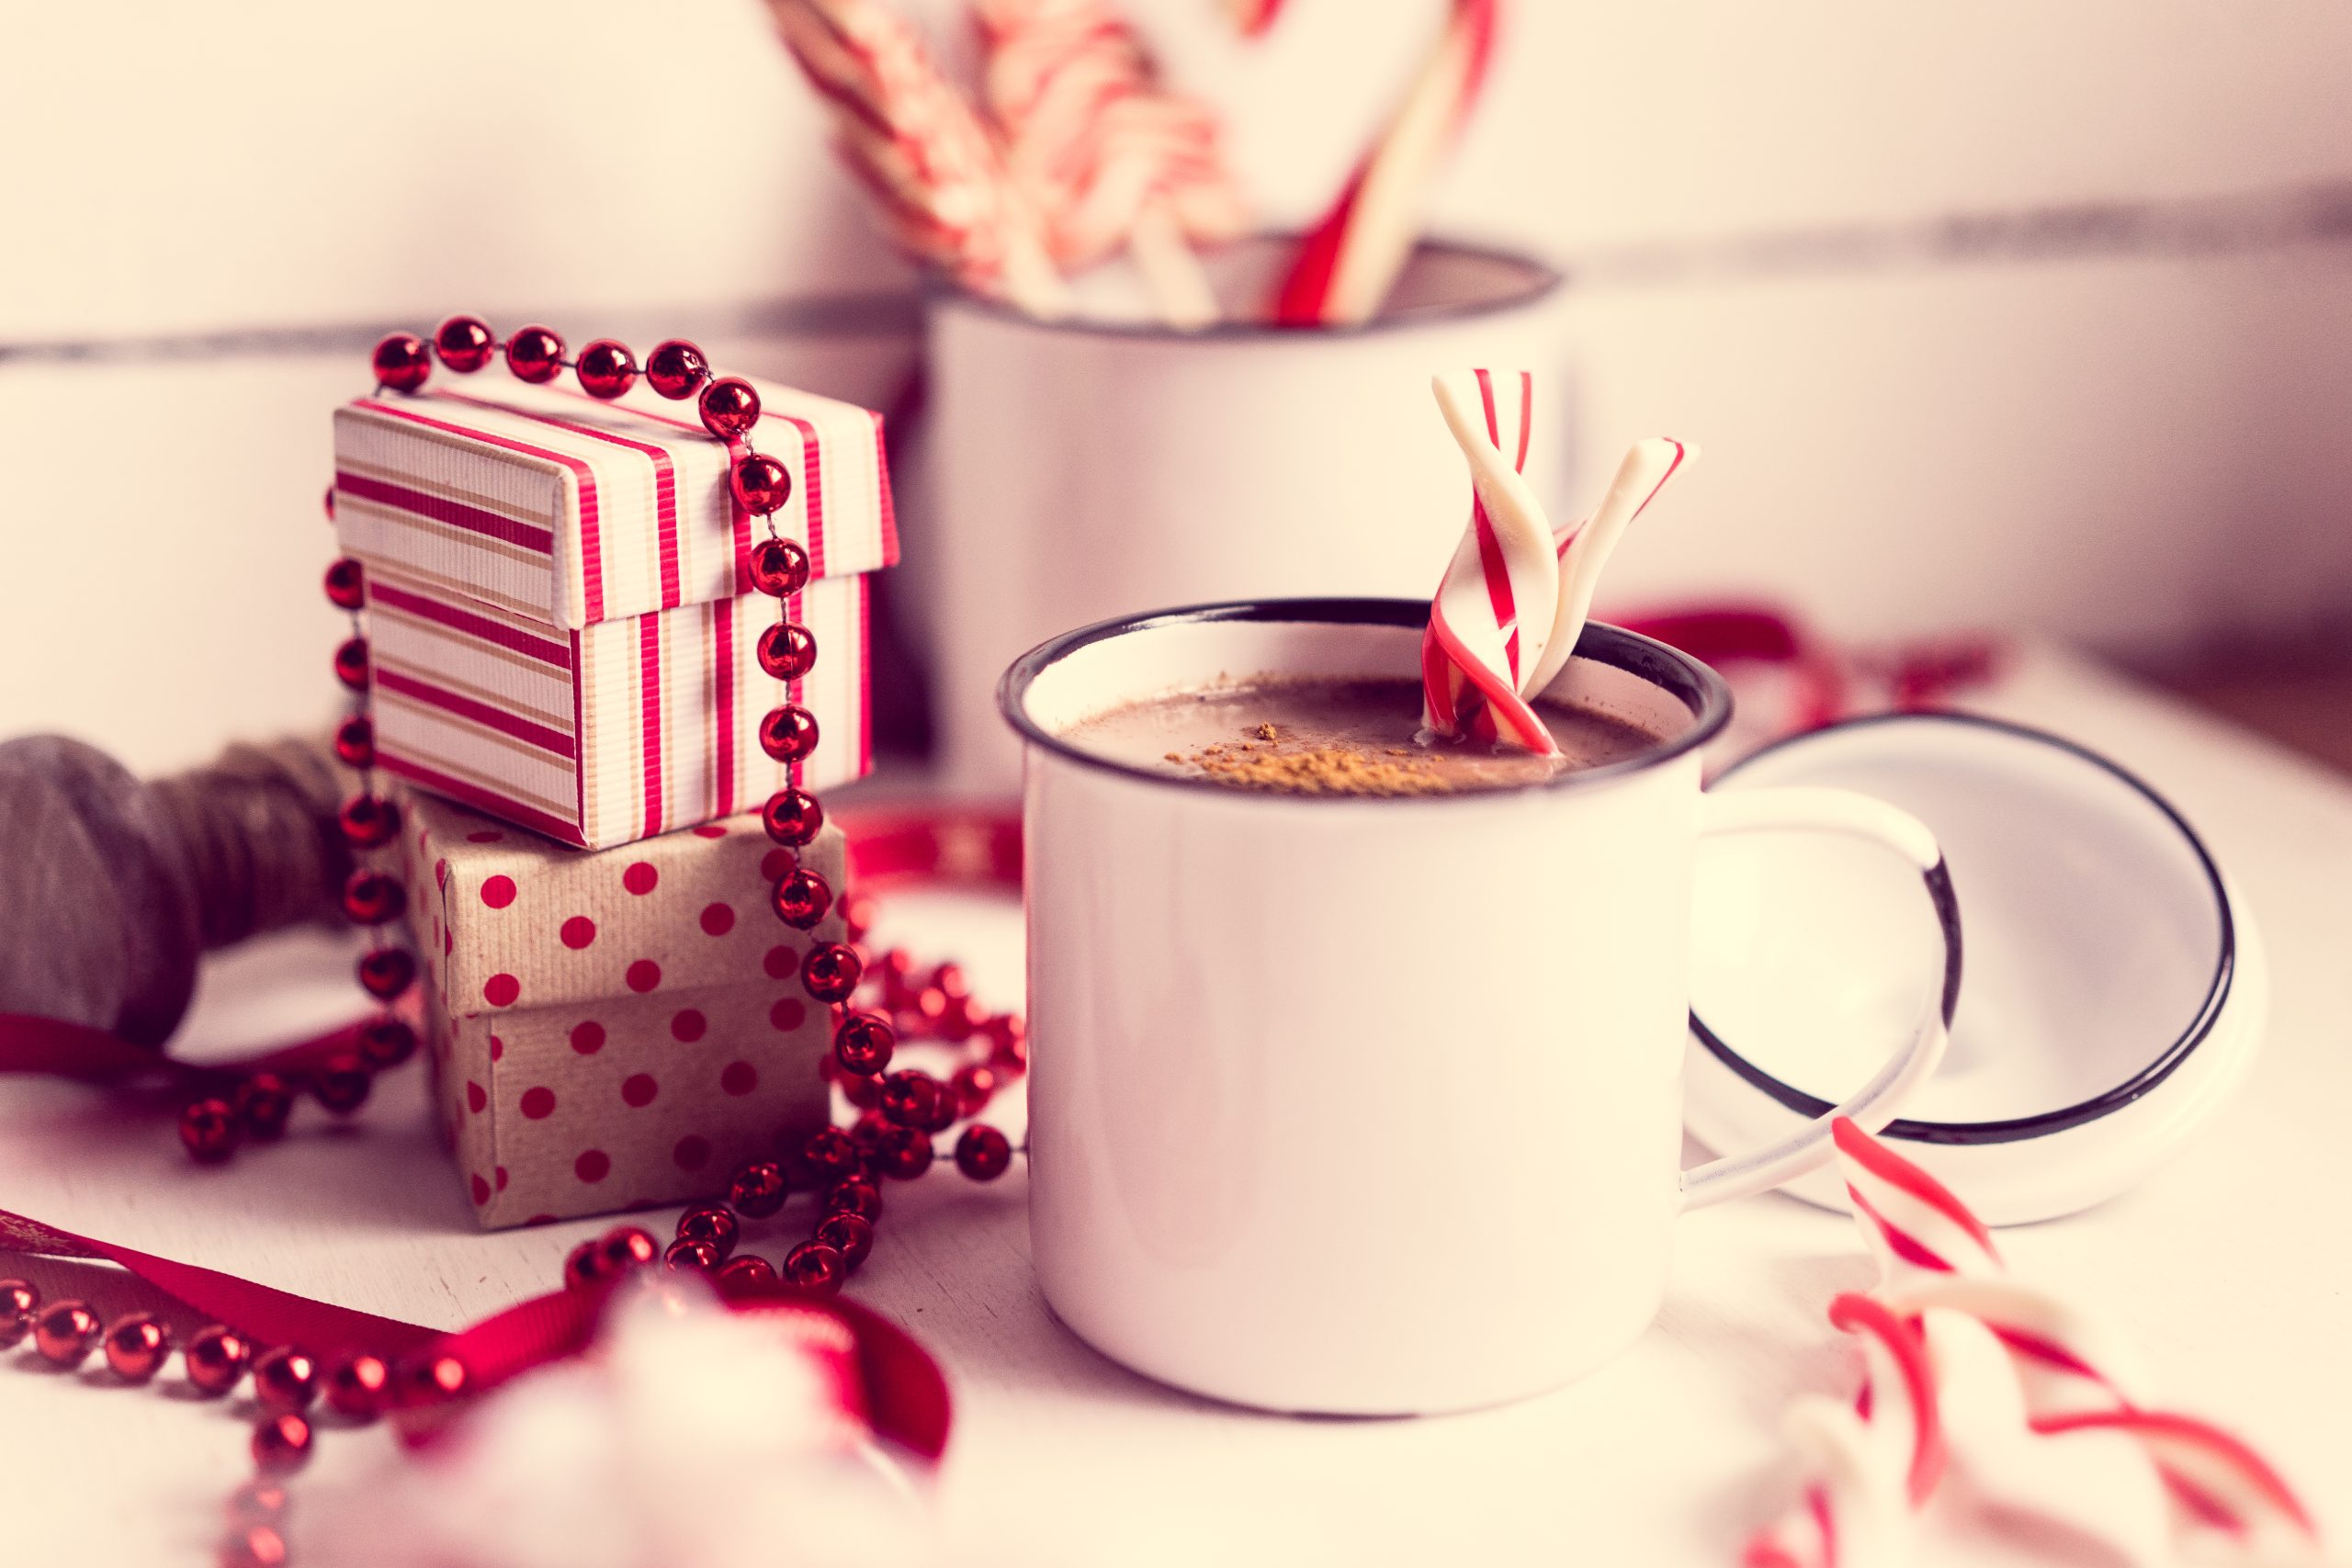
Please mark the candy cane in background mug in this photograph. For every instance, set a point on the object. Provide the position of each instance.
(1235, 996)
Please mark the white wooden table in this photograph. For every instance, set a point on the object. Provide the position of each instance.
(2232, 1265)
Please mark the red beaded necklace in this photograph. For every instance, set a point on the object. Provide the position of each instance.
(900, 1113)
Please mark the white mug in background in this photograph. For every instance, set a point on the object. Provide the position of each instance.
(1272, 1036)
(1080, 467)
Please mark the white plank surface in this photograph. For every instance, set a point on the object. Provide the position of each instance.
(2228, 1265)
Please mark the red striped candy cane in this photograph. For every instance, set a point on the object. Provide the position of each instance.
(1347, 263)
(1251, 19)
(1492, 617)
(2074, 1374)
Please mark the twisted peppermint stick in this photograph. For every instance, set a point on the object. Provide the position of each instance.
(1514, 598)
(1349, 260)
(908, 135)
(2071, 1375)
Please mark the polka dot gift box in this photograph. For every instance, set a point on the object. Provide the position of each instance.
(561, 627)
(615, 1028)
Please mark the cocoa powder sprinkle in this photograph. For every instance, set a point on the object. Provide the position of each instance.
(1317, 769)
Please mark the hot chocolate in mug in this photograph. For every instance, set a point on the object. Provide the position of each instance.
(1373, 1105)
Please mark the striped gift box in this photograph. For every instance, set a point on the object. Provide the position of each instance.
(560, 627)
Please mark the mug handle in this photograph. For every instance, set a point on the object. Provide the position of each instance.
(1821, 810)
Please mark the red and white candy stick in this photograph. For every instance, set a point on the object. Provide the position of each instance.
(2072, 1375)
(1111, 158)
(908, 136)
(1515, 596)
(1349, 261)
(1251, 19)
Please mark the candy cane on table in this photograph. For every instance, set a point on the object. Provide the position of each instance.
(908, 135)
(1346, 265)
(2074, 1376)
(1109, 156)
(1494, 609)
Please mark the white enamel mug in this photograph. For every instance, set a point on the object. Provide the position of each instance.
(1272, 1035)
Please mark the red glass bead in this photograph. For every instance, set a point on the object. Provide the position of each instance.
(584, 1266)
(866, 1093)
(351, 663)
(789, 733)
(950, 978)
(281, 1445)
(983, 1153)
(401, 363)
(691, 1256)
(285, 1380)
(535, 354)
(258, 1502)
(19, 1301)
(788, 651)
(1008, 1038)
(262, 1102)
(793, 818)
(429, 1380)
(368, 821)
(347, 585)
(761, 483)
(627, 1247)
(974, 1085)
(746, 1273)
(341, 1085)
(801, 898)
(909, 1098)
(136, 1347)
(898, 980)
(778, 568)
(255, 1546)
(356, 1386)
(386, 972)
(210, 1129)
(815, 1268)
(605, 368)
(831, 972)
(855, 1196)
(713, 1223)
(355, 741)
(866, 1131)
(828, 1155)
(464, 344)
(902, 1153)
(386, 1043)
(863, 1043)
(850, 1234)
(730, 406)
(216, 1357)
(758, 1189)
(371, 897)
(675, 368)
(65, 1332)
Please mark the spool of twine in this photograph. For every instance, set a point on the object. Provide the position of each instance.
(118, 886)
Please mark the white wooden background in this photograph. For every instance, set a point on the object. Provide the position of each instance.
(2107, 402)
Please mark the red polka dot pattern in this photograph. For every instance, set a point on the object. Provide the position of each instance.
(693, 1151)
(639, 1090)
(775, 864)
(578, 932)
(687, 1025)
(498, 892)
(593, 1166)
(488, 836)
(588, 1037)
(718, 919)
(497, 1047)
(710, 830)
(538, 1104)
(641, 878)
(477, 1097)
(739, 1078)
(643, 976)
(789, 1014)
(481, 1190)
(782, 961)
(499, 1178)
(500, 990)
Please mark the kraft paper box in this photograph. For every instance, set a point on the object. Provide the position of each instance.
(613, 1029)
(559, 625)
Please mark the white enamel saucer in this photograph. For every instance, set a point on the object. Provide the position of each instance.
(2112, 992)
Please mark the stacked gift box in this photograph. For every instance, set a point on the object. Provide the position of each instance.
(563, 668)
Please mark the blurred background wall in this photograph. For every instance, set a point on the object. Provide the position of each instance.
(2004, 315)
